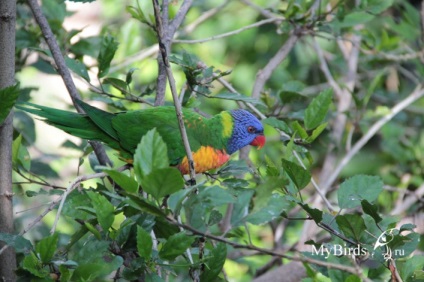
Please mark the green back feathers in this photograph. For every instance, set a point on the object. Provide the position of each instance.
(123, 131)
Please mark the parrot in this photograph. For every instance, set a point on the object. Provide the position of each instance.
(212, 140)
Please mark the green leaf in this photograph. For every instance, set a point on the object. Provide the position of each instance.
(299, 129)
(176, 245)
(272, 210)
(371, 210)
(46, 248)
(410, 268)
(288, 97)
(77, 67)
(162, 182)
(104, 209)
(215, 263)
(357, 188)
(19, 243)
(352, 225)
(352, 19)
(378, 6)
(8, 97)
(235, 97)
(144, 243)
(144, 206)
(317, 131)
(117, 83)
(128, 77)
(317, 110)
(151, 154)
(34, 266)
(278, 124)
(93, 230)
(297, 174)
(316, 214)
(106, 54)
(126, 182)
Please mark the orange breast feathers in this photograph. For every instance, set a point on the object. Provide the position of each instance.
(205, 158)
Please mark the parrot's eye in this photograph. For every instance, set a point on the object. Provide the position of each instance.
(251, 129)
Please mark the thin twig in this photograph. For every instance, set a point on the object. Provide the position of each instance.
(74, 184)
(326, 70)
(262, 250)
(178, 110)
(264, 12)
(223, 35)
(203, 17)
(264, 74)
(415, 95)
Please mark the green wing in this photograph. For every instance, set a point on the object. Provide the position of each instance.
(131, 126)
(123, 131)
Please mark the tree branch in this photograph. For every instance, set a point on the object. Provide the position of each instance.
(64, 71)
(167, 33)
(164, 54)
(264, 74)
(7, 78)
(415, 95)
(262, 250)
(223, 35)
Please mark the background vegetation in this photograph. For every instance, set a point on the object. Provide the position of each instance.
(336, 83)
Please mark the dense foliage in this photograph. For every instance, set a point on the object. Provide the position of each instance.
(338, 186)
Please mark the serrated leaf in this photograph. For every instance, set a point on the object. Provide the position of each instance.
(47, 247)
(162, 182)
(34, 266)
(176, 245)
(371, 210)
(357, 188)
(77, 67)
(151, 154)
(300, 176)
(352, 225)
(317, 110)
(144, 243)
(272, 210)
(107, 52)
(126, 182)
(8, 97)
(215, 263)
(104, 209)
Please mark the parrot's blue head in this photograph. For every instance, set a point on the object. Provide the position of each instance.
(247, 130)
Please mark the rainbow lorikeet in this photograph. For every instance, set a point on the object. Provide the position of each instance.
(212, 140)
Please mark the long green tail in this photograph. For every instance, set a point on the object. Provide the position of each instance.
(94, 125)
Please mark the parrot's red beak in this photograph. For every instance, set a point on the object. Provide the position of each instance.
(259, 141)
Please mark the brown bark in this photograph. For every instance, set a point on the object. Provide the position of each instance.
(7, 78)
